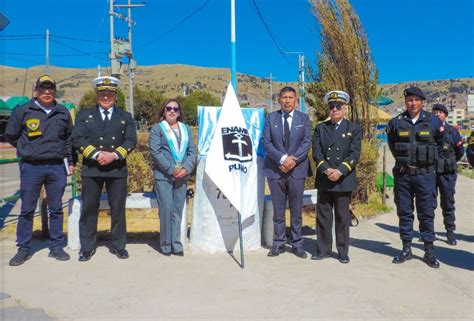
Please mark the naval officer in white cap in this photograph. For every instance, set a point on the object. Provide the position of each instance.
(104, 135)
(336, 151)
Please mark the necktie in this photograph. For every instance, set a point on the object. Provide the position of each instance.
(106, 118)
(286, 132)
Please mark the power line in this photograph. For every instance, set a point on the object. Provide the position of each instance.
(56, 55)
(78, 39)
(196, 11)
(80, 51)
(281, 49)
(20, 36)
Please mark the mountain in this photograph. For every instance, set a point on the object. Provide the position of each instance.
(174, 80)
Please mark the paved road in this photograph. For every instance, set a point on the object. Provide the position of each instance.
(200, 286)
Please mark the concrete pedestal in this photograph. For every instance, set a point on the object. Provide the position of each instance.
(134, 200)
(214, 225)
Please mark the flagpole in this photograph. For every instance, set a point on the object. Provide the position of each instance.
(241, 242)
(233, 46)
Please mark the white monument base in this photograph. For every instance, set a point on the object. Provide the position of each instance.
(214, 226)
(134, 200)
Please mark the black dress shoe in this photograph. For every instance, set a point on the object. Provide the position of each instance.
(121, 254)
(299, 253)
(59, 254)
(344, 259)
(451, 238)
(20, 257)
(320, 256)
(430, 259)
(404, 256)
(181, 253)
(276, 251)
(86, 255)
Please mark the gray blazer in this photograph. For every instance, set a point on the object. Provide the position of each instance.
(163, 162)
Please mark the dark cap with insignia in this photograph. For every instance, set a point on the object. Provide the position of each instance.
(414, 91)
(106, 83)
(337, 96)
(45, 81)
(441, 107)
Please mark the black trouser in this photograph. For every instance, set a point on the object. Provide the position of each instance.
(116, 188)
(327, 201)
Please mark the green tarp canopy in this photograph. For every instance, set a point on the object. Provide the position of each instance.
(68, 105)
(4, 110)
(381, 101)
(14, 101)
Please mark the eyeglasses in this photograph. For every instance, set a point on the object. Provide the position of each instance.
(337, 106)
(169, 108)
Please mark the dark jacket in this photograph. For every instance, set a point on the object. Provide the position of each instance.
(415, 144)
(339, 149)
(90, 136)
(39, 136)
(273, 142)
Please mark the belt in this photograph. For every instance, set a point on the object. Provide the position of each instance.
(416, 170)
(55, 161)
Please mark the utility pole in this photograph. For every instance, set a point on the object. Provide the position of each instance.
(47, 52)
(301, 80)
(271, 91)
(123, 47)
(24, 81)
(233, 46)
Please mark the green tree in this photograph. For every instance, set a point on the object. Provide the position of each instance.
(196, 98)
(345, 63)
(89, 100)
(147, 105)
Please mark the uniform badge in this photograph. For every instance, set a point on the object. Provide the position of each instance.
(123, 122)
(33, 124)
(343, 135)
(90, 116)
(349, 134)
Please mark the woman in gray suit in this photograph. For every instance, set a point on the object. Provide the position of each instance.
(174, 158)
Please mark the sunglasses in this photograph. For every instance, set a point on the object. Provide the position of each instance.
(169, 108)
(337, 106)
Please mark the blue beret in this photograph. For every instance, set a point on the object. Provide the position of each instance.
(441, 107)
(410, 91)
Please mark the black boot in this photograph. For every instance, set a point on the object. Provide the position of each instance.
(451, 238)
(405, 254)
(429, 257)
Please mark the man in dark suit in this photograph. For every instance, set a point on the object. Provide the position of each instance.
(104, 135)
(336, 151)
(287, 140)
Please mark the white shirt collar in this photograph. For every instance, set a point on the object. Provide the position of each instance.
(45, 109)
(110, 110)
(291, 113)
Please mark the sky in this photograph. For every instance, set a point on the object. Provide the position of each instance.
(410, 39)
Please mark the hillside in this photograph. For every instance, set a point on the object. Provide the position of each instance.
(170, 79)
(173, 80)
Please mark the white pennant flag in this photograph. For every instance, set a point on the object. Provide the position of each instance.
(231, 160)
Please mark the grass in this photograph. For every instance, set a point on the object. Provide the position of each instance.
(467, 172)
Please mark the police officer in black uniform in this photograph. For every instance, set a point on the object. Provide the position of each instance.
(104, 135)
(40, 130)
(413, 137)
(470, 149)
(336, 151)
(450, 151)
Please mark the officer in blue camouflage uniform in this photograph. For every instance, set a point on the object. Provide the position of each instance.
(450, 151)
(104, 135)
(413, 137)
(40, 130)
